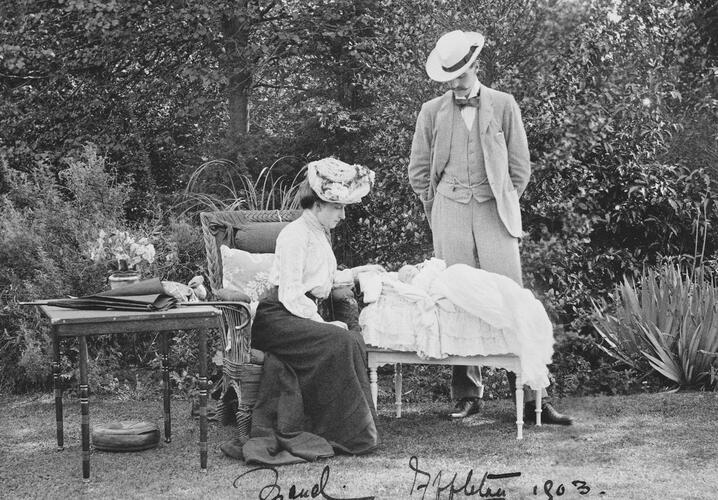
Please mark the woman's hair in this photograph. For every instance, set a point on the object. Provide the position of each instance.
(307, 196)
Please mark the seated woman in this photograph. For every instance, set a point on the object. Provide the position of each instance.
(314, 396)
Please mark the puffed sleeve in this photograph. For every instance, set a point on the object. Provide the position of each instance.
(344, 277)
(290, 254)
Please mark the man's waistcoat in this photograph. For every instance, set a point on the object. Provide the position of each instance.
(464, 175)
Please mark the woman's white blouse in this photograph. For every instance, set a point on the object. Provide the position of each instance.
(304, 262)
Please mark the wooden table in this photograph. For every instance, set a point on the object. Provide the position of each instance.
(83, 323)
(377, 357)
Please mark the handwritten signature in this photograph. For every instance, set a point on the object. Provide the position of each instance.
(437, 485)
(423, 480)
(273, 491)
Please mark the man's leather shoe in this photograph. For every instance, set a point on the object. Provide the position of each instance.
(549, 415)
(466, 407)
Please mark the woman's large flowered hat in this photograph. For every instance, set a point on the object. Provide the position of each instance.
(338, 182)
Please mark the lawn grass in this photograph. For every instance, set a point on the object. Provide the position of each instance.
(650, 446)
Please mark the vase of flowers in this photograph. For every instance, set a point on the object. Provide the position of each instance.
(123, 278)
(126, 253)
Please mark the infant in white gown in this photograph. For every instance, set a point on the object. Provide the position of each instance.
(438, 311)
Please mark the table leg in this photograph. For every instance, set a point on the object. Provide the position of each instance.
(84, 410)
(166, 388)
(57, 386)
(203, 400)
(397, 388)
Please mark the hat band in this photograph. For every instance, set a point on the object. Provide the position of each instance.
(462, 61)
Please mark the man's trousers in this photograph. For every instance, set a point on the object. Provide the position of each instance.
(472, 233)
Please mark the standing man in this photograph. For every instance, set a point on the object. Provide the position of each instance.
(469, 165)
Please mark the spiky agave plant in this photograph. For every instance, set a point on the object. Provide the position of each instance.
(666, 322)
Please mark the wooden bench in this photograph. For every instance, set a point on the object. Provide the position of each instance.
(377, 357)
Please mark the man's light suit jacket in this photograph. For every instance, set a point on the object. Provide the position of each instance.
(503, 141)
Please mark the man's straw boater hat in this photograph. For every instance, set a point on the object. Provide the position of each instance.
(454, 53)
(338, 182)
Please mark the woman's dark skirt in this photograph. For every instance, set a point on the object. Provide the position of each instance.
(314, 380)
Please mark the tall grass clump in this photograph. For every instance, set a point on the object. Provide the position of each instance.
(666, 321)
(221, 185)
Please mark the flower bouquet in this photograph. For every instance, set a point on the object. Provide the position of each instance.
(126, 252)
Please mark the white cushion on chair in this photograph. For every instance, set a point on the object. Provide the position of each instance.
(246, 272)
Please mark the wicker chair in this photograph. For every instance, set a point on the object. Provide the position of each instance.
(253, 231)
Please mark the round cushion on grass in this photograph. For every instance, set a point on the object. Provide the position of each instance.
(127, 435)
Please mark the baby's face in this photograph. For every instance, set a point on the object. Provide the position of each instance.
(407, 273)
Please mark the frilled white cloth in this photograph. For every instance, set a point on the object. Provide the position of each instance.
(463, 311)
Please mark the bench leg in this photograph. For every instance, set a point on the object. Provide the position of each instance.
(519, 411)
(373, 385)
(474, 374)
(397, 388)
(538, 408)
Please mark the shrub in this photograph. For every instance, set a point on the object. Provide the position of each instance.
(41, 255)
(46, 225)
(580, 368)
(665, 322)
(182, 246)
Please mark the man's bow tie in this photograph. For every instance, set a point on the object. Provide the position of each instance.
(471, 101)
